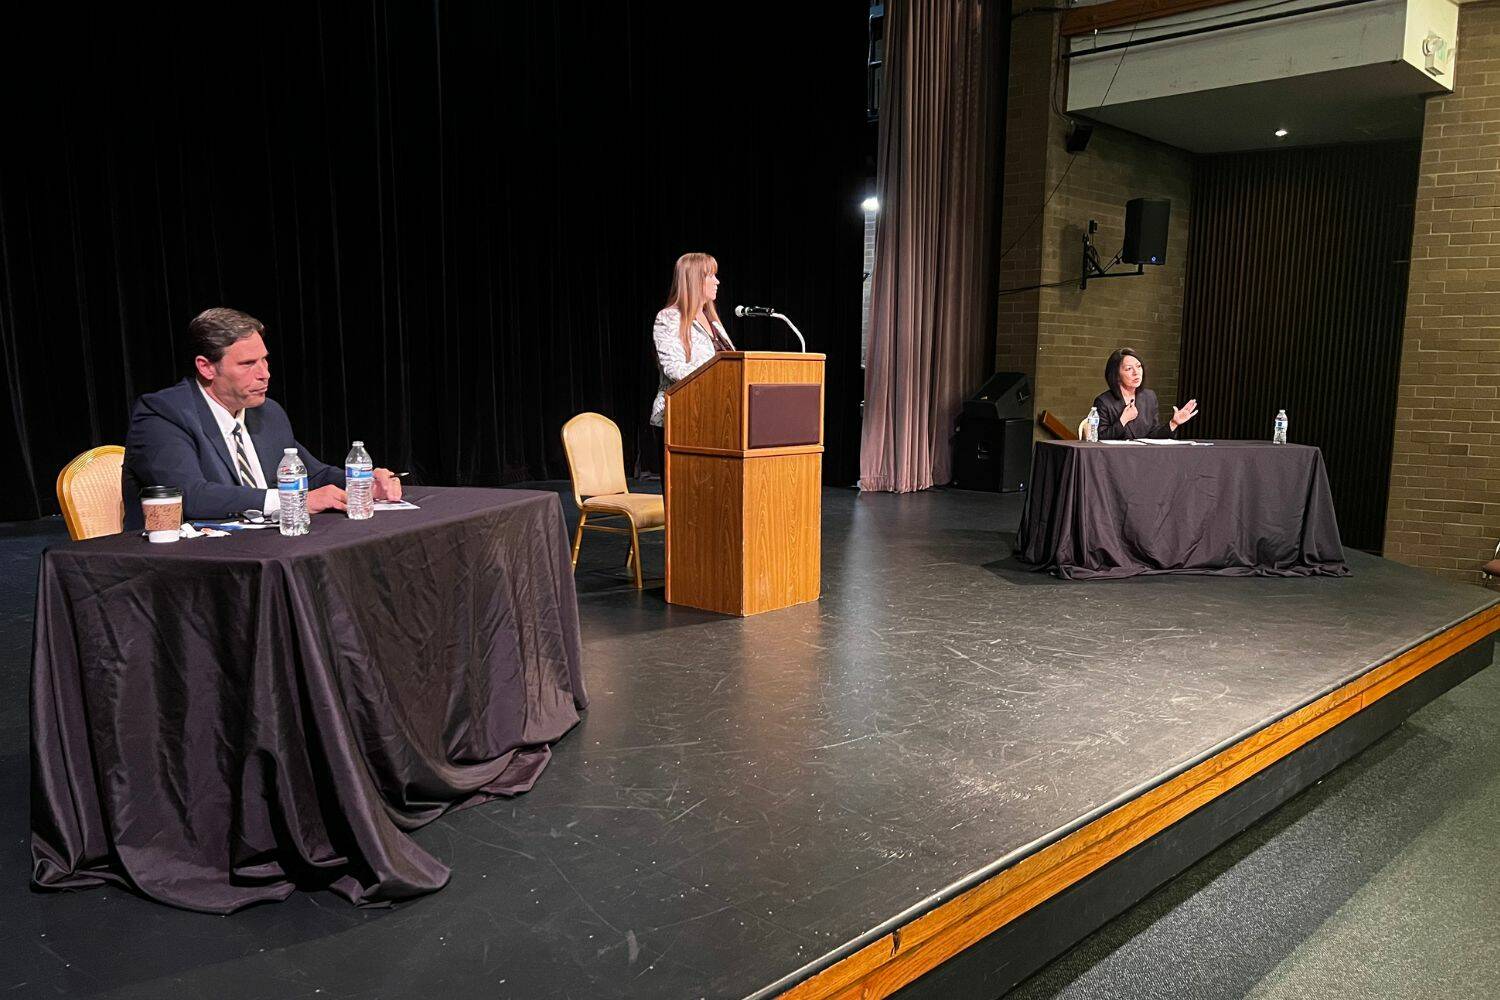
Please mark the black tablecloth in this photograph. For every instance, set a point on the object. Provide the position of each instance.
(221, 720)
(1237, 508)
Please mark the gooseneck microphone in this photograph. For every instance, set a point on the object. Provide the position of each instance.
(748, 312)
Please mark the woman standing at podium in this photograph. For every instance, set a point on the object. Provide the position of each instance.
(687, 333)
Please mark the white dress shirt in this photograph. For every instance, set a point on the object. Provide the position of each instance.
(227, 423)
(672, 363)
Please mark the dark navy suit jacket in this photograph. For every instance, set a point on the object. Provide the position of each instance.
(174, 441)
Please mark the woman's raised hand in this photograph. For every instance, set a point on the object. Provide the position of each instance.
(1182, 414)
(1128, 414)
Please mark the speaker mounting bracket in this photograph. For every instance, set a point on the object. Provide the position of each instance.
(1091, 266)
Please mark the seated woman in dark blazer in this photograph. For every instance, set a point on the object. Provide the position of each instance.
(1128, 410)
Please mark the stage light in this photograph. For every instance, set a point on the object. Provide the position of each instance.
(871, 204)
(1281, 133)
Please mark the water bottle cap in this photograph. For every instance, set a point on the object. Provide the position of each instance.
(289, 451)
(359, 444)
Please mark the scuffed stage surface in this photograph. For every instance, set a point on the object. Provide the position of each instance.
(744, 796)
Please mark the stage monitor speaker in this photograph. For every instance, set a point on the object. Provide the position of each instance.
(1006, 396)
(992, 455)
(1146, 231)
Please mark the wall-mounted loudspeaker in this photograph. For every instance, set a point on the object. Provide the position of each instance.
(1077, 139)
(1146, 231)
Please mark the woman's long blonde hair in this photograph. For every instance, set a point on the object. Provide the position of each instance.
(687, 295)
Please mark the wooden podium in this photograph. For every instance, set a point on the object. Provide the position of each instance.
(743, 483)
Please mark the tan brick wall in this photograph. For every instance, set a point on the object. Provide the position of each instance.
(1077, 330)
(1027, 111)
(1444, 510)
(1061, 336)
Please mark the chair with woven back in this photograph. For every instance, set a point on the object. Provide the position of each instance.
(596, 464)
(88, 491)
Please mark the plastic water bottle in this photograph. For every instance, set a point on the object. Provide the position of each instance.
(291, 492)
(1278, 435)
(1093, 431)
(359, 483)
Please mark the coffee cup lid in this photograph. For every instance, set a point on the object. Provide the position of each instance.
(161, 493)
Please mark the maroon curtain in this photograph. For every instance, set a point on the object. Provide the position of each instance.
(931, 300)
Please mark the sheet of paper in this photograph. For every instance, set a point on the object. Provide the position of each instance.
(1160, 441)
(395, 505)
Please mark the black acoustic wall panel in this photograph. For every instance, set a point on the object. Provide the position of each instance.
(1295, 299)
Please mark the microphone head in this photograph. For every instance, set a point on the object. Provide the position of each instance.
(739, 311)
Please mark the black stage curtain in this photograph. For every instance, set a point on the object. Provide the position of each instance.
(1295, 299)
(456, 219)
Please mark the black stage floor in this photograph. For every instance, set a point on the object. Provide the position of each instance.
(744, 797)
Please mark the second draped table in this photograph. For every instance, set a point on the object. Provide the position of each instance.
(1234, 508)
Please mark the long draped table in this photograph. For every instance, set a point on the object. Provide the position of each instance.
(220, 721)
(1235, 508)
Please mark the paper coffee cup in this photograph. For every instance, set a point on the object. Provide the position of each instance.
(162, 506)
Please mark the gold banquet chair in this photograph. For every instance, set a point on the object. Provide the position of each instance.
(88, 491)
(1083, 429)
(596, 463)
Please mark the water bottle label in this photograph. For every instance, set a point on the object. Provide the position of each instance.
(293, 485)
(352, 472)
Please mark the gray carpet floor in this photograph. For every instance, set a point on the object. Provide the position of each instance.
(1383, 880)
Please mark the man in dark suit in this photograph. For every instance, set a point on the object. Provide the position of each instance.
(216, 435)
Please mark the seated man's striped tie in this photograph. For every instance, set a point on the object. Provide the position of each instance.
(247, 477)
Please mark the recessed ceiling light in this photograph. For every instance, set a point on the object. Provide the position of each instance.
(1281, 133)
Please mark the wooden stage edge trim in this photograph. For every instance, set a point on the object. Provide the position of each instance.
(923, 943)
